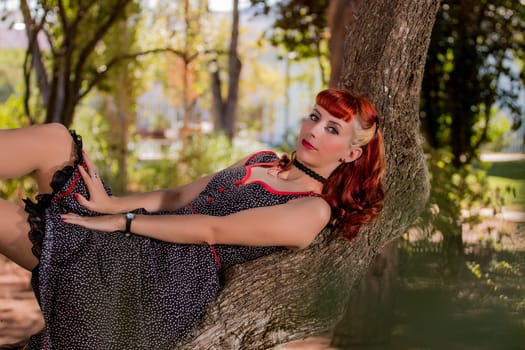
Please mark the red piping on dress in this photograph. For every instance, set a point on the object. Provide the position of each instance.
(70, 188)
(216, 256)
(258, 153)
(217, 260)
(264, 184)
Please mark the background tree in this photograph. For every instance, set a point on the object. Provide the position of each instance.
(384, 59)
(225, 104)
(69, 70)
(299, 27)
(185, 71)
(118, 95)
(471, 68)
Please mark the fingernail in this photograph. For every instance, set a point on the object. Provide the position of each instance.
(76, 195)
(64, 220)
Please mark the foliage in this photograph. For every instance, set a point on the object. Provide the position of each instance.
(300, 27)
(203, 155)
(499, 129)
(95, 129)
(10, 77)
(484, 299)
(471, 68)
(507, 183)
(64, 55)
(454, 192)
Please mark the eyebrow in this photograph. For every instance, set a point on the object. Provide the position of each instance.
(334, 122)
(330, 121)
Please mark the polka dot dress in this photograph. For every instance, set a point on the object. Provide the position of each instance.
(108, 291)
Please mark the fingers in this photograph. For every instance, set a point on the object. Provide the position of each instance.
(91, 175)
(92, 169)
(105, 223)
(83, 201)
(93, 184)
(71, 218)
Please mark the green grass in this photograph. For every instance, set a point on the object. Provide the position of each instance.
(509, 177)
(511, 170)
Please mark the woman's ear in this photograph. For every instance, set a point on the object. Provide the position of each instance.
(353, 154)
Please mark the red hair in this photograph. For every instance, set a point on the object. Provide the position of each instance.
(353, 190)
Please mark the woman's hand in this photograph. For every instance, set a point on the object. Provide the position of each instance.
(105, 223)
(99, 201)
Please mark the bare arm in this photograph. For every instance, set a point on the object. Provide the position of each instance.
(167, 199)
(293, 225)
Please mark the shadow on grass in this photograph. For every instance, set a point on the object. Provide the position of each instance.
(479, 306)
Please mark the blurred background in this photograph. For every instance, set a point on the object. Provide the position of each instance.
(163, 92)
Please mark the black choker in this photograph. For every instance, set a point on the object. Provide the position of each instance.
(308, 171)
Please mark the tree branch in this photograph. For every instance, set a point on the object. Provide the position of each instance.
(98, 77)
(27, 84)
(63, 16)
(102, 30)
(32, 34)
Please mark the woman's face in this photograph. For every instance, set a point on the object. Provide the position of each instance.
(324, 140)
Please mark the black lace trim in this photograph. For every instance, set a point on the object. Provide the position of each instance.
(308, 171)
(36, 210)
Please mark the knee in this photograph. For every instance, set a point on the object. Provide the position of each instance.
(57, 129)
(58, 133)
(58, 142)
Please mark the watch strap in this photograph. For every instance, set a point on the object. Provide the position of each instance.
(129, 219)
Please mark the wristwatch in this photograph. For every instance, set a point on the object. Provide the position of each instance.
(129, 219)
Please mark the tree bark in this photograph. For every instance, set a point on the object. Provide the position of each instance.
(368, 320)
(293, 295)
(340, 15)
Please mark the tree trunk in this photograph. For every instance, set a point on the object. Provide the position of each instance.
(368, 320)
(225, 109)
(341, 14)
(384, 58)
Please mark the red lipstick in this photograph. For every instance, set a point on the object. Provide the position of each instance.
(307, 145)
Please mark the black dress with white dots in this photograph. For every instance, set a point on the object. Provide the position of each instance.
(108, 291)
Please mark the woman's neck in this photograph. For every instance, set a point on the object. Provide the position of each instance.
(308, 171)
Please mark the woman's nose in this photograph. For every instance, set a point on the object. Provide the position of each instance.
(316, 129)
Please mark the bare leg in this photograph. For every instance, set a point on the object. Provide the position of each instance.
(14, 241)
(41, 149)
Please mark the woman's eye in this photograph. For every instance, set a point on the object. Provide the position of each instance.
(314, 117)
(332, 130)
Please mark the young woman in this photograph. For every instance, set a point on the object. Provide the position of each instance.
(138, 271)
